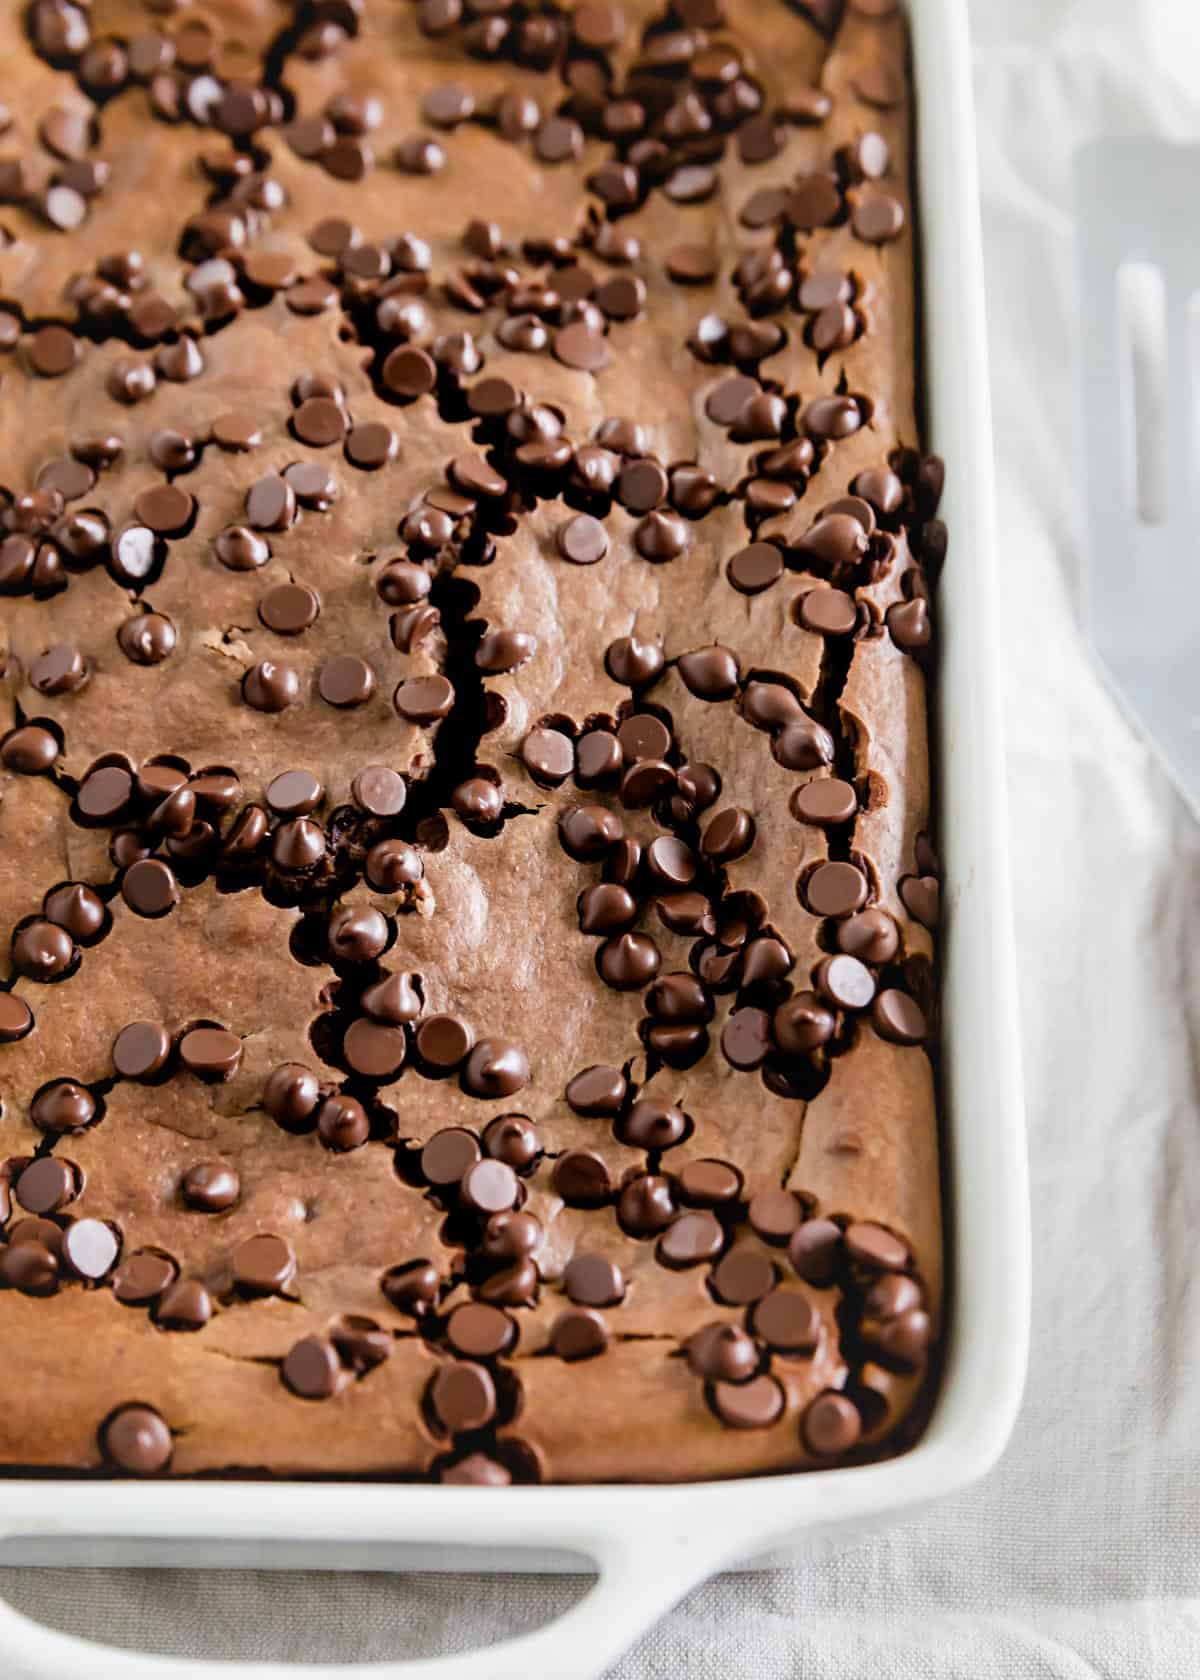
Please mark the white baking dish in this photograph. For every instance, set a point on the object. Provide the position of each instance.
(650, 1544)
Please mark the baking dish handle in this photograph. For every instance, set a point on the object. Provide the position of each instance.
(638, 1580)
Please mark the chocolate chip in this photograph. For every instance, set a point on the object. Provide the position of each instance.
(845, 981)
(691, 1240)
(722, 1353)
(149, 888)
(297, 845)
(597, 1090)
(826, 803)
(634, 662)
(143, 1276)
(212, 1053)
(579, 1333)
(835, 889)
(444, 1041)
(263, 1264)
(803, 745)
(271, 504)
(587, 832)
(29, 751)
(628, 961)
(53, 351)
(920, 895)
(391, 866)
(787, 1321)
(271, 686)
(814, 201)
(342, 1122)
(147, 638)
(831, 1425)
(898, 1017)
(908, 625)
(827, 611)
(495, 1068)
(755, 1404)
(871, 935)
(210, 1187)
(646, 1205)
(164, 509)
(582, 347)
(412, 1288)
(16, 1018)
(558, 140)
(311, 1369)
(707, 1183)
(832, 417)
(514, 1140)
(755, 568)
(346, 680)
(582, 1179)
(424, 700)
(462, 1396)
(63, 1106)
(478, 801)
(743, 1275)
(729, 835)
(29, 1267)
(90, 1248)
(184, 1305)
(78, 909)
(59, 671)
(46, 1185)
(746, 1038)
(606, 908)
(371, 446)
(802, 1024)
(478, 1331)
(137, 1440)
(548, 755)
(710, 673)
(42, 951)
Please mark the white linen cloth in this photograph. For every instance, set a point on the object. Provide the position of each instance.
(1079, 1556)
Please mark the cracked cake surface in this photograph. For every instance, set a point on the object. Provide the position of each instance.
(468, 1003)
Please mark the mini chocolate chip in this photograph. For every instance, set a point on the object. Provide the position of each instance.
(755, 1404)
(462, 1396)
(240, 549)
(495, 1068)
(78, 909)
(835, 889)
(212, 1053)
(136, 1439)
(831, 1425)
(729, 835)
(210, 1187)
(342, 1122)
(845, 981)
(722, 1353)
(628, 961)
(898, 1017)
(271, 686)
(582, 1178)
(802, 1024)
(184, 1305)
(706, 1183)
(710, 673)
(870, 935)
(263, 1264)
(582, 540)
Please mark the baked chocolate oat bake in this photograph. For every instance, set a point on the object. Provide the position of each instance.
(464, 810)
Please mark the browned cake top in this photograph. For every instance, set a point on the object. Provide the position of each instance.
(464, 798)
